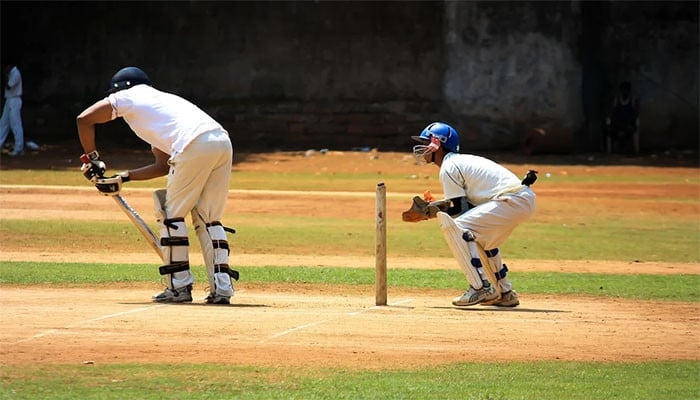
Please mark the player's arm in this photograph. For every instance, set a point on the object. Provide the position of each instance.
(13, 79)
(158, 168)
(113, 184)
(98, 113)
(459, 206)
(422, 210)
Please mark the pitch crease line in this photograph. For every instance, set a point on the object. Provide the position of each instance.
(350, 314)
(297, 328)
(50, 331)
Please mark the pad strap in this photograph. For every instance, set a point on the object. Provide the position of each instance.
(217, 223)
(502, 273)
(175, 241)
(491, 253)
(174, 267)
(170, 222)
(220, 244)
(225, 269)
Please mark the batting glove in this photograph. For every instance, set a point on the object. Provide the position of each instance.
(112, 185)
(93, 167)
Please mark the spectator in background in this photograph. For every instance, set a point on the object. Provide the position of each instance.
(622, 123)
(12, 111)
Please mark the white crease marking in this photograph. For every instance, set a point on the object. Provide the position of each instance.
(52, 331)
(350, 314)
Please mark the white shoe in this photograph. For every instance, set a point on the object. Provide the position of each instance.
(182, 295)
(476, 296)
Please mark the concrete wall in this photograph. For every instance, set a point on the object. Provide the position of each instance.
(512, 67)
(295, 75)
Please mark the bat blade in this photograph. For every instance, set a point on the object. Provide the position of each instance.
(140, 224)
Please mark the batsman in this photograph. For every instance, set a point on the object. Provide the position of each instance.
(196, 154)
(483, 203)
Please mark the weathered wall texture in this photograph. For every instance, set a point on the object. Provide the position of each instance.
(511, 68)
(295, 75)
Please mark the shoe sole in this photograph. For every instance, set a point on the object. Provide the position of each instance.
(454, 303)
(174, 301)
(219, 302)
(500, 304)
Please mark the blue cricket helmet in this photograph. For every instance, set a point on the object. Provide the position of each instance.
(447, 135)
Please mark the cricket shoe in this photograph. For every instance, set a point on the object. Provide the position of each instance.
(182, 295)
(507, 299)
(476, 296)
(216, 299)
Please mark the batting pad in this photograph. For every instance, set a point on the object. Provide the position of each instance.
(460, 249)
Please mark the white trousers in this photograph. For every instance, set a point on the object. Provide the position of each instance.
(12, 119)
(199, 178)
(494, 221)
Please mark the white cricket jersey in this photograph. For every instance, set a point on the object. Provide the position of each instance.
(163, 120)
(477, 178)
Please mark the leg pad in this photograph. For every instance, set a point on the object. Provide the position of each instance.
(461, 244)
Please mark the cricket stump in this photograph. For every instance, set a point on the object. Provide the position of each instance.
(380, 249)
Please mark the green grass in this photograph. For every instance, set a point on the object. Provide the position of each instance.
(594, 238)
(474, 381)
(684, 288)
(335, 181)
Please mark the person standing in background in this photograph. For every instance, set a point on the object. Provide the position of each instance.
(12, 111)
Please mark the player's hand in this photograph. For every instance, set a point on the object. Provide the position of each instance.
(92, 167)
(110, 186)
(530, 177)
(436, 206)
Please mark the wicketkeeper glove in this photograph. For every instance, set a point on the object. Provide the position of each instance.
(530, 177)
(93, 167)
(112, 185)
(421, 210)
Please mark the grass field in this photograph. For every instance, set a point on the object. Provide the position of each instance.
(618, 215)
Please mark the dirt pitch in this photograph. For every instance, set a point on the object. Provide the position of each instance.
(323, 325)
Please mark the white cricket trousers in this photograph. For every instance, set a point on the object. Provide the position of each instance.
(494, 221)
(12, 119)
(199, 177)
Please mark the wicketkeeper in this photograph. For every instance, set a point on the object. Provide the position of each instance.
(483, 203)
(195, 152)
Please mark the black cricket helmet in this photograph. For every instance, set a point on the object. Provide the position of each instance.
(128, 77)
